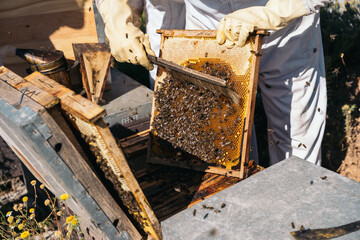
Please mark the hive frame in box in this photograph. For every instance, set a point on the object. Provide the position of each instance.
(254, 47)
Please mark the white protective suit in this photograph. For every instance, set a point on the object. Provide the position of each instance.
(292, 71)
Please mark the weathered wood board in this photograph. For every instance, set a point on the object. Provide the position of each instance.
(44, 143)
(110, 157)
(95, 60)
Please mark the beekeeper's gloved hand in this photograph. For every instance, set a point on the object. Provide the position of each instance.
(127, 42)
(276, 14)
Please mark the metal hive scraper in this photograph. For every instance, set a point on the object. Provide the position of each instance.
(202, 80)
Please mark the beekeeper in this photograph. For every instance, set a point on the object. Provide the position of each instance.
(292, 71)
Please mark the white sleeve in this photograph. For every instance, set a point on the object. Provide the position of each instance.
(313, 6)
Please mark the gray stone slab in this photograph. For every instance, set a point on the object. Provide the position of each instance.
(264, 205)
(127, 100)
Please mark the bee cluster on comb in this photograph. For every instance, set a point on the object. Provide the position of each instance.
(197, 120)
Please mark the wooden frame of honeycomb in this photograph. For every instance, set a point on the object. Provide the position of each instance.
(220, 141)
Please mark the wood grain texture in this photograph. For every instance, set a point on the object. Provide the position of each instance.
(75, 104)
(245, 154)
(121, 163)
(95, 60)
(71, 153)
(45, 25)
(35, 161)
(171, 189)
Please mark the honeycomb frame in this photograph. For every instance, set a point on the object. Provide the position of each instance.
(199, 46)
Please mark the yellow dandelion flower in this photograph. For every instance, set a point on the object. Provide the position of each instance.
(32, 215)
(47, 202)
(64, 196)
(25, 199)
(20, 226)
(42, 186)
(74, 222)
(10, 219)
(33, 182)
(24, 234)
(31, 210)
(8, 214)
(70, 218)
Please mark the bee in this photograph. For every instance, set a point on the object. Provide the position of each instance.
(307, 83)
(292, 225)
(217, 210)
(206, 54)
(194, 212)
(223, 205)
(324, 177)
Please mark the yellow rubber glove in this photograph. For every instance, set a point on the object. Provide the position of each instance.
(235, 27)
(127, 42)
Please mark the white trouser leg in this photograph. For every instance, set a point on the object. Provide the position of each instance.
(293, 88)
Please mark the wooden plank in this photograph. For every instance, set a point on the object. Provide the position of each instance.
(10, 77)
(95, 59)
(251, 109)
(106, 143)
(119, 172)
(43, 98)
(198, 166)
(80, 107)
(80, 48)
(69, 152)
(49, 85)
(34, 161)
(197, 33)
(134, 139)
(74, 104)
(86, 76)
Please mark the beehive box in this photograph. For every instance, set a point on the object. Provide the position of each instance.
(212, 130)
